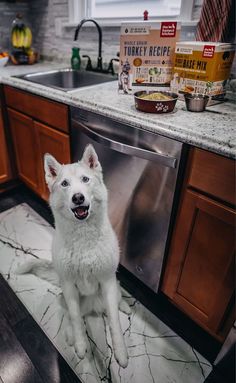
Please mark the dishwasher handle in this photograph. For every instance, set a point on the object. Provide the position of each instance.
(160, 158)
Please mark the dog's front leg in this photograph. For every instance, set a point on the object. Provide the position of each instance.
(72, 299)
(110, 297)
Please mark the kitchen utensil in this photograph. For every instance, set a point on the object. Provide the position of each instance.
(196, 102)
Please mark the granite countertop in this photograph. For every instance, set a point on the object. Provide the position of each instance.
(212, 130)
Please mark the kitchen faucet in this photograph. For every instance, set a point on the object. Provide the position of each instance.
(99, 60)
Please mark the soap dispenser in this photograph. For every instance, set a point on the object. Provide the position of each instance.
(75, 58)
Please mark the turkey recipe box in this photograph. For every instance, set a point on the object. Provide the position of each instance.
(146, 53)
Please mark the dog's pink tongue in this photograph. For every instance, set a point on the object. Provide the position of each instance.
(81, 211)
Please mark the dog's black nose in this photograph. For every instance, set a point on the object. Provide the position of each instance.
(78, 199)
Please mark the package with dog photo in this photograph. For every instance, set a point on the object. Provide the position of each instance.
(146, 54)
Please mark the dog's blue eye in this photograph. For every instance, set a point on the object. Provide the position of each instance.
(65, 183)
(85, 179)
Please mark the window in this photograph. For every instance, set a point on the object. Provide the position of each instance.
(134, 8)
(112, 12)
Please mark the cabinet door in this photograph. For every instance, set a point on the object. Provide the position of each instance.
(54, 142)
(23, 135)
(5, 173)
(199, 276)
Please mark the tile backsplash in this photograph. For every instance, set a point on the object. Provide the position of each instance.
(45, 17)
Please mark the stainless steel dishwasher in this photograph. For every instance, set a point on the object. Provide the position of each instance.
(140, 171)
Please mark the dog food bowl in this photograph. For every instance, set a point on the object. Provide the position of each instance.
(155, 105)
(196, 102)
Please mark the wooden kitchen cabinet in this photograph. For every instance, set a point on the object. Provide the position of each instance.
(5, 169)
(199, 275)
(50, 141)
(23, 135)
(32, 137)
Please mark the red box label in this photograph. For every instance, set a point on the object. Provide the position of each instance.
(168, 28)
(208, 51)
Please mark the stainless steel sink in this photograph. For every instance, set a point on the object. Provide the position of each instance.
(68, 79)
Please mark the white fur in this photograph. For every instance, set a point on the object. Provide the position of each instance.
(85, 253)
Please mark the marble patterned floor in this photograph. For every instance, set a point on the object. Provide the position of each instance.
(156, 353)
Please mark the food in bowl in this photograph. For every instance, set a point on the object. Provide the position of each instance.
(3, 58)
(155, 102)
(3, 54)
(156, 96)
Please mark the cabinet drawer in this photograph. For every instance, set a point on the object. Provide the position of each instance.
(50, 112)
(213, 174)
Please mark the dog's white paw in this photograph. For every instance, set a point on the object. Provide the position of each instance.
(80, 348)
(124, 307)
(69, 336)
(121, 356)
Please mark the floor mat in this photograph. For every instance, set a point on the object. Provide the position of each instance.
(156, 353)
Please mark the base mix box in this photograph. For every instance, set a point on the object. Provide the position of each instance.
(202, 67)
(146, 54)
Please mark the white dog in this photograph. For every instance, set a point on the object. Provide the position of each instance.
(85, 251)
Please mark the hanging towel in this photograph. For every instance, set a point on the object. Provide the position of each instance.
(215, 22)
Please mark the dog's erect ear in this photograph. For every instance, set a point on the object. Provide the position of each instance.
(90, 158)
(52, 168)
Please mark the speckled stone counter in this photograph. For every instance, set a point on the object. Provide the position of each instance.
(212, 130)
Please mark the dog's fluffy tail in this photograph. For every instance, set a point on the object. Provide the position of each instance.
(41, 268)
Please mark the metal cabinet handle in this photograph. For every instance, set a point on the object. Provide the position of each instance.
(160, 158)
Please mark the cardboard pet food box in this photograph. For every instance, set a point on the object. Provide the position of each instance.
(202, 67)
(146, 54)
